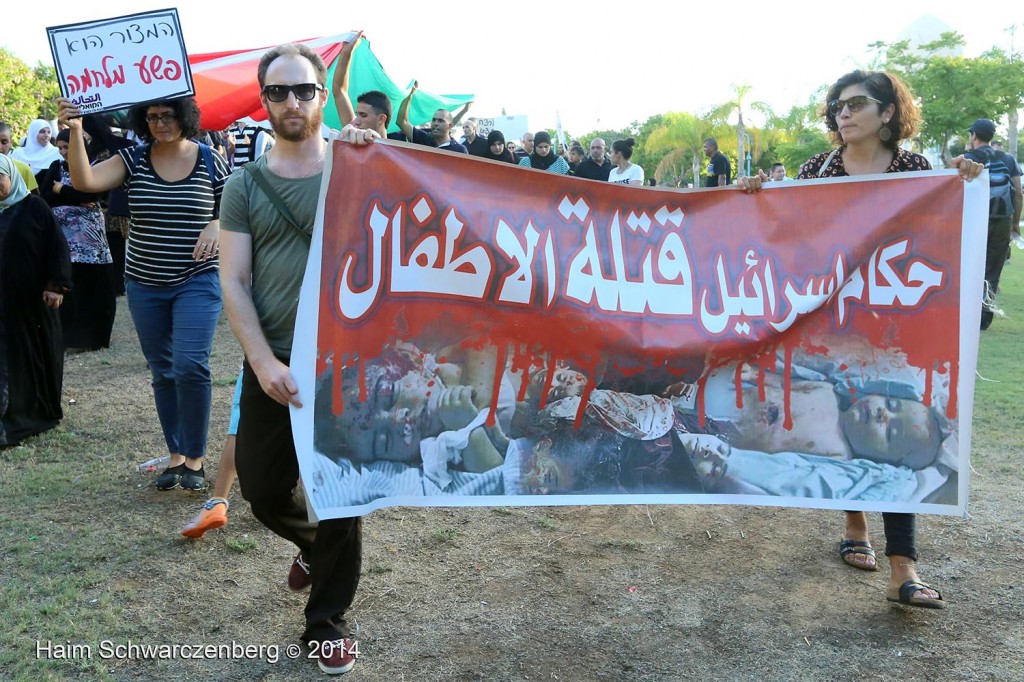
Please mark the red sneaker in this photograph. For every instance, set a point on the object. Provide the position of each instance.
(298, 576)
(338, 656)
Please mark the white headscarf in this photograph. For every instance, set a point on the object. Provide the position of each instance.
(37, 156)
(18, 189)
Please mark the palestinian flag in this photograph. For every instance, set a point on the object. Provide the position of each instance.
(227, 89)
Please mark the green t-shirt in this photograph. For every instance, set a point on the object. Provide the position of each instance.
(279, 252)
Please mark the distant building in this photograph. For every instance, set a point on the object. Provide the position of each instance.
(928, 29)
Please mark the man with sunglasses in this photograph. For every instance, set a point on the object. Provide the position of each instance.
(267, 216)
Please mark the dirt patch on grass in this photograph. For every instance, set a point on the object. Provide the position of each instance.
(91, 553)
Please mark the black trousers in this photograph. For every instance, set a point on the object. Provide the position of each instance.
(268, 474)
(899, 534)
(87, 313)
(995, 257)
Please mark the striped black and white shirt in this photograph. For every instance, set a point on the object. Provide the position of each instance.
(251, 142)
(167, 217)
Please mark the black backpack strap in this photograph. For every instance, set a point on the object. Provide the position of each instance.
(138, 153)
(253, 133)
(207, 153)
(274, 197)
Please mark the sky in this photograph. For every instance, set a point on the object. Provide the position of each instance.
(594, 67)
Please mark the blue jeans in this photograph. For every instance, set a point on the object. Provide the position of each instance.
(175, 325)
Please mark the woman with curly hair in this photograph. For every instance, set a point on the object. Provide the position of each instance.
(868, 114)
(174, 188)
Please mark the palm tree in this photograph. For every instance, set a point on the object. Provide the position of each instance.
(679, 140)
(724, 111)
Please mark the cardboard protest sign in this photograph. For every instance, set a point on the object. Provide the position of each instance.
(476, 334)
(113, 63)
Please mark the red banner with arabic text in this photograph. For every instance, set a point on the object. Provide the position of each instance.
(487, 334)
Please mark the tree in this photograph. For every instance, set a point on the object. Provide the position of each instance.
(795, 137)
(641, 156)
(736, 105)
(25, 93)
(953, 91)
(1007, 78)
(677, 142)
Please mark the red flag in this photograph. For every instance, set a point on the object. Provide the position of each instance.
(226, 85)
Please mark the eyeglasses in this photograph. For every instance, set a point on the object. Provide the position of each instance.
(855, 104)
(302, 91)
(166, 119)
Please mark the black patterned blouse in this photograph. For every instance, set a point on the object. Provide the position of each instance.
(903, 162)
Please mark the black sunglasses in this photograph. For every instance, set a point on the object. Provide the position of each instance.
(303, 91)
(855, 103)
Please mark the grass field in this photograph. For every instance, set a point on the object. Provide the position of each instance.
(90, 554)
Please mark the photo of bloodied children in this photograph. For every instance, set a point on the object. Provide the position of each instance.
(844, 424)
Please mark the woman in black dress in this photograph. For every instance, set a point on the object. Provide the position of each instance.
(35, 273)
(87, 315)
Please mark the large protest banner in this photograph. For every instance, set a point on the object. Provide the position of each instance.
(112, 63)
(472, 333)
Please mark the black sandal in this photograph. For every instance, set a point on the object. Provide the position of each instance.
(909, 589)
(848, 547)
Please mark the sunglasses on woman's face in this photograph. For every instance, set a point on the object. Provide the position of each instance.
(303, 91)
(855, 104)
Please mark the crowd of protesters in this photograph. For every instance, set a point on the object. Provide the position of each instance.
(110, 215)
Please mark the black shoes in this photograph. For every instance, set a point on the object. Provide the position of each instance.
(181, 477)
(193, 480)
(170, 478)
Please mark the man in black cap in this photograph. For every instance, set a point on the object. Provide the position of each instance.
(1004, 207)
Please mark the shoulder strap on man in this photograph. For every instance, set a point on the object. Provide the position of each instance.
(275, 198)
(982, 155)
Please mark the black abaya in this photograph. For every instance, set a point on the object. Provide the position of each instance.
(33, 257)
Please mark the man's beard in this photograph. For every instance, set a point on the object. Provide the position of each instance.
(310, 128)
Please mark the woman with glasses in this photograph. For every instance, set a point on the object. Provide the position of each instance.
(174, 187)
(868, 113)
